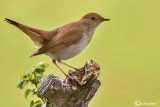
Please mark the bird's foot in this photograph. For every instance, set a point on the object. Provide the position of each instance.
(65, 79)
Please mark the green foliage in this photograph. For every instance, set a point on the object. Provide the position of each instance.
(37, 103)
(27, 92)
(35, 77)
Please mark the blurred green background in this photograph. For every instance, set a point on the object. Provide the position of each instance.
(127, 48)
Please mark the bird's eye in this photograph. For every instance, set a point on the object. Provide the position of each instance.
(93, 18)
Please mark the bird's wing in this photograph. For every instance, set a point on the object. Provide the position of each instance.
(65, 38)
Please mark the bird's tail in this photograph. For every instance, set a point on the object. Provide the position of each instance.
(35, 53)
(11, 22)
(36, 35)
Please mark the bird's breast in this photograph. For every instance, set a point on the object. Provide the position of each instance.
(72, 50)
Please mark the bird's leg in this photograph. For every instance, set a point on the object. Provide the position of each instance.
(67, 65)
(54, 61)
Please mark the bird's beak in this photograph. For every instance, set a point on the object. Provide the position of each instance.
(105, 19)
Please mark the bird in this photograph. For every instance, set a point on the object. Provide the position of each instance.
(64, 42)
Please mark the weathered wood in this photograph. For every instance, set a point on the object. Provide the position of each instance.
(77, 91)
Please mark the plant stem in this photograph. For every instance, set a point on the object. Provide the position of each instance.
(35, 74)
(35, 83)
(40, 97)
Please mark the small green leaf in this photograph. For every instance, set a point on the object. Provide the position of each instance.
(22, 84)
(40, 68)
(31, 103)
(43, 98)
(21, 75)
(38, 78)
(38, 101)
(43, 64)
(35, 92)
(37, 104)
(30, 75)
(27, 93)
(38, 85)
(25, 76)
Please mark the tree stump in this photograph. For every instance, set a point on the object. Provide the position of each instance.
(77, 91)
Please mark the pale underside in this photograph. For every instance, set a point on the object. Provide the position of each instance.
(71, 51)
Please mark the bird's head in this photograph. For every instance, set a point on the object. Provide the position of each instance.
(93, 19)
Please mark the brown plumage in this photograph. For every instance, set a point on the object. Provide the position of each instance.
(64, 42)
(39, 37)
